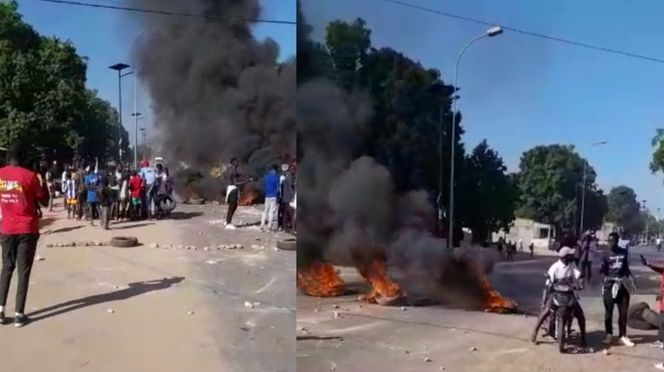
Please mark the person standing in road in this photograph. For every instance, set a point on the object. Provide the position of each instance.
(105, 202)
(233, 191)
(615, 269)
(660, 335)
(271, 188)
(287, 198)
(587, 250)
(282, 178)
(20, 191)
(148, 174)
(92, 197)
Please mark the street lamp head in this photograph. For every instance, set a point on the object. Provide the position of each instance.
(494, 31)
(119, 66)
(137, 114)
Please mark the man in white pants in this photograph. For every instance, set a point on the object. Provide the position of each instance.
(271, 188)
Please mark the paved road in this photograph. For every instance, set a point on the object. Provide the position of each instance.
(140, 309)
(366, 337)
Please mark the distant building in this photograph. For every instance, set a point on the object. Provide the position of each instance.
(529, 231)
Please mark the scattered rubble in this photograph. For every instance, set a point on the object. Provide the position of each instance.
(336, 315)
(427, 359)
(110, 311)
(248, 305)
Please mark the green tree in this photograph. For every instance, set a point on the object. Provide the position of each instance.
(551, 185)
(43, 98)
(625, 210)
(490, 194)
(657, 161)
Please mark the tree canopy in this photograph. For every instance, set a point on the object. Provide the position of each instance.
(409, 132)
(43, 98)
(551, 186)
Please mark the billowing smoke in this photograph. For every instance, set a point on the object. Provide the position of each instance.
(217, 92)
(348, 205)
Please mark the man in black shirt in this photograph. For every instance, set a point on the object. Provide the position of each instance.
(615, 269)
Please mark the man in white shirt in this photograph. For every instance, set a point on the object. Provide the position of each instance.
(563, 276)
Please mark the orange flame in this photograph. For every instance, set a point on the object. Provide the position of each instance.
(375, 272)
(320, 280)
(494, 302)
(248, 197)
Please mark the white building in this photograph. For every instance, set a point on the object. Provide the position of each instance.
(527, 231)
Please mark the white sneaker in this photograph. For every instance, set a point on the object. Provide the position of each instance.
(626, 341)
(657, 344)
(659, 366)
(230, 227)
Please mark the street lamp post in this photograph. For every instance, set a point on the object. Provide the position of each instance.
(493, 31)
(645, 212)
(137, 116)
(583, 191)
(119, 67)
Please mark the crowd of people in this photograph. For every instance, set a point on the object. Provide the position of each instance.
(575, 267)
(115, 192)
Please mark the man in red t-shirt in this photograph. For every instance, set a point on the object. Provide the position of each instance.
(20, 191)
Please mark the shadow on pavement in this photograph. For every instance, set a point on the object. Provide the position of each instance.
(132, 226)
(184, 215)
(133, 289)
(67, 229)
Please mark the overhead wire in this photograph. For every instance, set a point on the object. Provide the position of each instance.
(525, 32)
(167, 12)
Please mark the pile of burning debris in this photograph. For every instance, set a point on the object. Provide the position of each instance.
(321, 279)
(197, 187)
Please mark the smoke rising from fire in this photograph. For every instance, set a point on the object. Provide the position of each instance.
(217, 91)
(348, 205)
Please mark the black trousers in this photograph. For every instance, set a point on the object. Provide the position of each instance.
(660, 334)
(18, 251)
(587, 269)
(622, 300)
(232, 206)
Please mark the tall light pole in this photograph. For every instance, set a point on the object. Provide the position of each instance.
(659, 223)
(137, 116)
(119, 67)
(493, 31)
(645, 212)
(583, 191)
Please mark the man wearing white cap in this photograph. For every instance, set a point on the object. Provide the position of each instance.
(566, 275)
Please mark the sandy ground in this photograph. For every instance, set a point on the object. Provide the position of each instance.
(363, 337)
(157, 309)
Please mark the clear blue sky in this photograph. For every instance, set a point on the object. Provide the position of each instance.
(106, 37)
(519, 91)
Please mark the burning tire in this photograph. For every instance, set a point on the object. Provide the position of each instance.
(640, 316)
(287, 245)
(124, 242)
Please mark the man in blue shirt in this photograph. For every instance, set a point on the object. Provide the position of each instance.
(91, 185)
(271, 188)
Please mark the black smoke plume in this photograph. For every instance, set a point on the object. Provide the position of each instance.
(217, 91)
(348, 204)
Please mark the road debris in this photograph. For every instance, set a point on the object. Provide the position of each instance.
(606, 352)
(190, 312)
(39, 258)
(472, 349)
(154, 245)
(336, 315)
(427, 359)
(403, 308)
(110, 311)
(248, 305)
